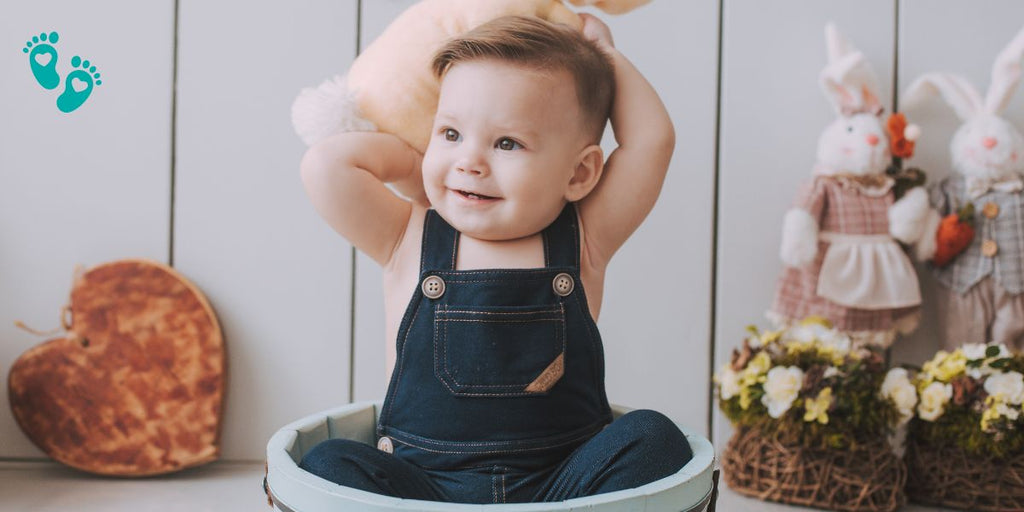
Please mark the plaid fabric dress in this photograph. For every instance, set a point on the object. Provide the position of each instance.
(843, 207)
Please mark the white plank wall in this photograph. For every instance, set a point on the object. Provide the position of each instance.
(95, 185)
(962, 38)
(276, 274)
(771, 116)
(85, 187)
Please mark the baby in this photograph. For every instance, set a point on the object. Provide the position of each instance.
(493, 274)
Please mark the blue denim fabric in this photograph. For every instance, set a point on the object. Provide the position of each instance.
(474, 410)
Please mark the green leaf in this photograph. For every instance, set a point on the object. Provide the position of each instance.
(992, 351)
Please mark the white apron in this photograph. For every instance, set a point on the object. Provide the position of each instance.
(867, 272)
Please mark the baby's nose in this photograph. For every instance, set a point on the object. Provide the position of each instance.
(872, 139)
(989, 142)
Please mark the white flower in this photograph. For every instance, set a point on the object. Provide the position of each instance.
(1010, 413)
(897, 387)
(730, 382)
(1008, 385)
(754, 341)
(781, 388)
(831, 371)
(810, 333)
(933, 400)
(974, 351)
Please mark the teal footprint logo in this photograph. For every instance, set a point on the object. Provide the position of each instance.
(42, 58)
(78, 85)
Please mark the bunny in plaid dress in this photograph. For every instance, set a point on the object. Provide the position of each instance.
(840, 240)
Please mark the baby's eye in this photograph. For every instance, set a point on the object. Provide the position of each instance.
(849, 129)
(451, 135)
(508, 144)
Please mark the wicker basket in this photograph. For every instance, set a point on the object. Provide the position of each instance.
(865, 478)
(947, 476)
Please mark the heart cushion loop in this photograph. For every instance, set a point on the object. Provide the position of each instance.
(136, 387)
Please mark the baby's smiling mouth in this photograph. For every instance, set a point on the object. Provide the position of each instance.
(474, 195)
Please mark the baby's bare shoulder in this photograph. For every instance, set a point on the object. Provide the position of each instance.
(407, 252)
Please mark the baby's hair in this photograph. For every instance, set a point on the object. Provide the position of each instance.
(538, 44)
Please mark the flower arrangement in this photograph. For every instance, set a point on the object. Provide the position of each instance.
(969, 428)
(816, 420)
(807, 383)
(972, 398)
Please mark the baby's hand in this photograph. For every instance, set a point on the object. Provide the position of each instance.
(595, 30)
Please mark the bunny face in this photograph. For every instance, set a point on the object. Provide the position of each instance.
(987, 146)
(854, 144)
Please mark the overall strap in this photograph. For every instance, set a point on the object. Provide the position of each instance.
(562, 240)
(440, 243)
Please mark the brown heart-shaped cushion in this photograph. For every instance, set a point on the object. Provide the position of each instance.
(136, 387)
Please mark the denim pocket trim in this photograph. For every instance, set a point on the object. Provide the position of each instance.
(539, 330)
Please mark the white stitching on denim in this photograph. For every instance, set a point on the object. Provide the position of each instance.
(442, 362)
(490, 452)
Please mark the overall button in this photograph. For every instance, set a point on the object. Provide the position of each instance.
(384, 445)
(433, 287)
(990, 210)
(989, 248)
(563, 284)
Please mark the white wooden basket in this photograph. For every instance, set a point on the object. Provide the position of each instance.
(692, 489)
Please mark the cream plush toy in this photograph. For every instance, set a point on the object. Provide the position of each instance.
(840, 239)
(981, 293)
(390, 86)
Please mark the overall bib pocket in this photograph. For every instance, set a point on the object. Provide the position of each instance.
(499, 351)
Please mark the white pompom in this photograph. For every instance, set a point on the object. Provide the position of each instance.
(327, 109)
(912, 132)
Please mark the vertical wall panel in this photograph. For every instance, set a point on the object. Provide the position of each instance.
(771, 116)
(372, 367)
(277, 275)
(962, 38)
(84, 187)
(655, 320)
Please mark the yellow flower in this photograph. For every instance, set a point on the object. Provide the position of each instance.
(815, 319)
(745, 399)
(770, 337)
(817, 408)
(946, 366)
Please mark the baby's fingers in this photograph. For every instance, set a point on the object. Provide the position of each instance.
(595, 30)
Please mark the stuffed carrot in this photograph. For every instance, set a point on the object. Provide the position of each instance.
(954, 235)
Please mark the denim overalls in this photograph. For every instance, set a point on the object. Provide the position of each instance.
(499, 379)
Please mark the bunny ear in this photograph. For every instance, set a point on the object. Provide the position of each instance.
(1005, 75)
(836, 43)
(956, 90)
(851, 85)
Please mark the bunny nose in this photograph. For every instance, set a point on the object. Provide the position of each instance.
(988, 142)
(872, 139)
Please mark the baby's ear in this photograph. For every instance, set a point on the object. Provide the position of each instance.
(589, 166)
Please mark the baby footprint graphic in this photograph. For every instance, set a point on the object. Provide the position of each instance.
(43, 59)
(78, 85)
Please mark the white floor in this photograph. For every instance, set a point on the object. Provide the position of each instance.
(219, 487)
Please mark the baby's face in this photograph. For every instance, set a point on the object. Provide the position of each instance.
(504, 146)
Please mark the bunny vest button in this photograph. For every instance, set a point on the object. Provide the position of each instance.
(990, 210)
(989, 248)
(136, 387)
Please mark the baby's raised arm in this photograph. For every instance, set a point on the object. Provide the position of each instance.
(344, 176)
(635, 171)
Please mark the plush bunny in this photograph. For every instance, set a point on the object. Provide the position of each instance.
(839, 241)
(391, 87)
(982, 294)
